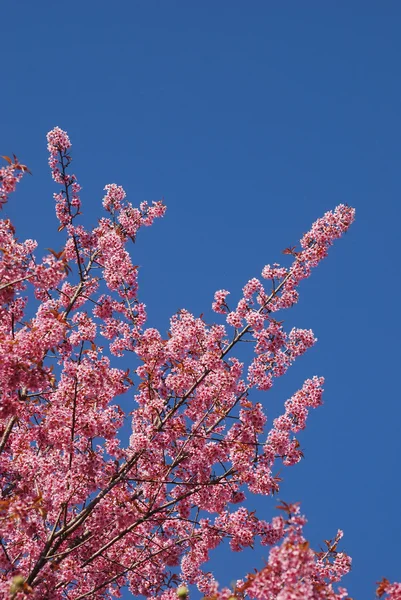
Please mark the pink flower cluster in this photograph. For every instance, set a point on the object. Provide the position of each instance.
(9, 178)
(84, 515)
(294, 571)
(113, 200)
(219, 305)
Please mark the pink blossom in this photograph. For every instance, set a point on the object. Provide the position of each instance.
(114, 197)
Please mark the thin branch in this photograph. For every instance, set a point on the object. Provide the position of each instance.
(74, 409)
(7, 432)
(79, 287)
(6, 285)
(67, 196)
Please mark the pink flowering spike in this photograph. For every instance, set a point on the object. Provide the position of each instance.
(68, 202)
(315, 245)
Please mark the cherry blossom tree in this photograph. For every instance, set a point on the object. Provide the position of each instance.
(84, 515)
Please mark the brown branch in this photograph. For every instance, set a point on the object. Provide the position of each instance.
(67, 197)
(79, 287)
(74, 410)
(6, 285)
(7, 432)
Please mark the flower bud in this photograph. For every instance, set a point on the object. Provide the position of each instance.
(182, 592)
(17, 584)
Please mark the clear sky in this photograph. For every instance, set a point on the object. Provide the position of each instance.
(251, 119)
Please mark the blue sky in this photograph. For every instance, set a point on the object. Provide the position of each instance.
(251, 119)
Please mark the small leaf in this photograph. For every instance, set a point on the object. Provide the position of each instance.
(382, 587)
(289, 250)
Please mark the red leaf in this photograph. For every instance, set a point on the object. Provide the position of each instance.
(383, 585)
(289, 250)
